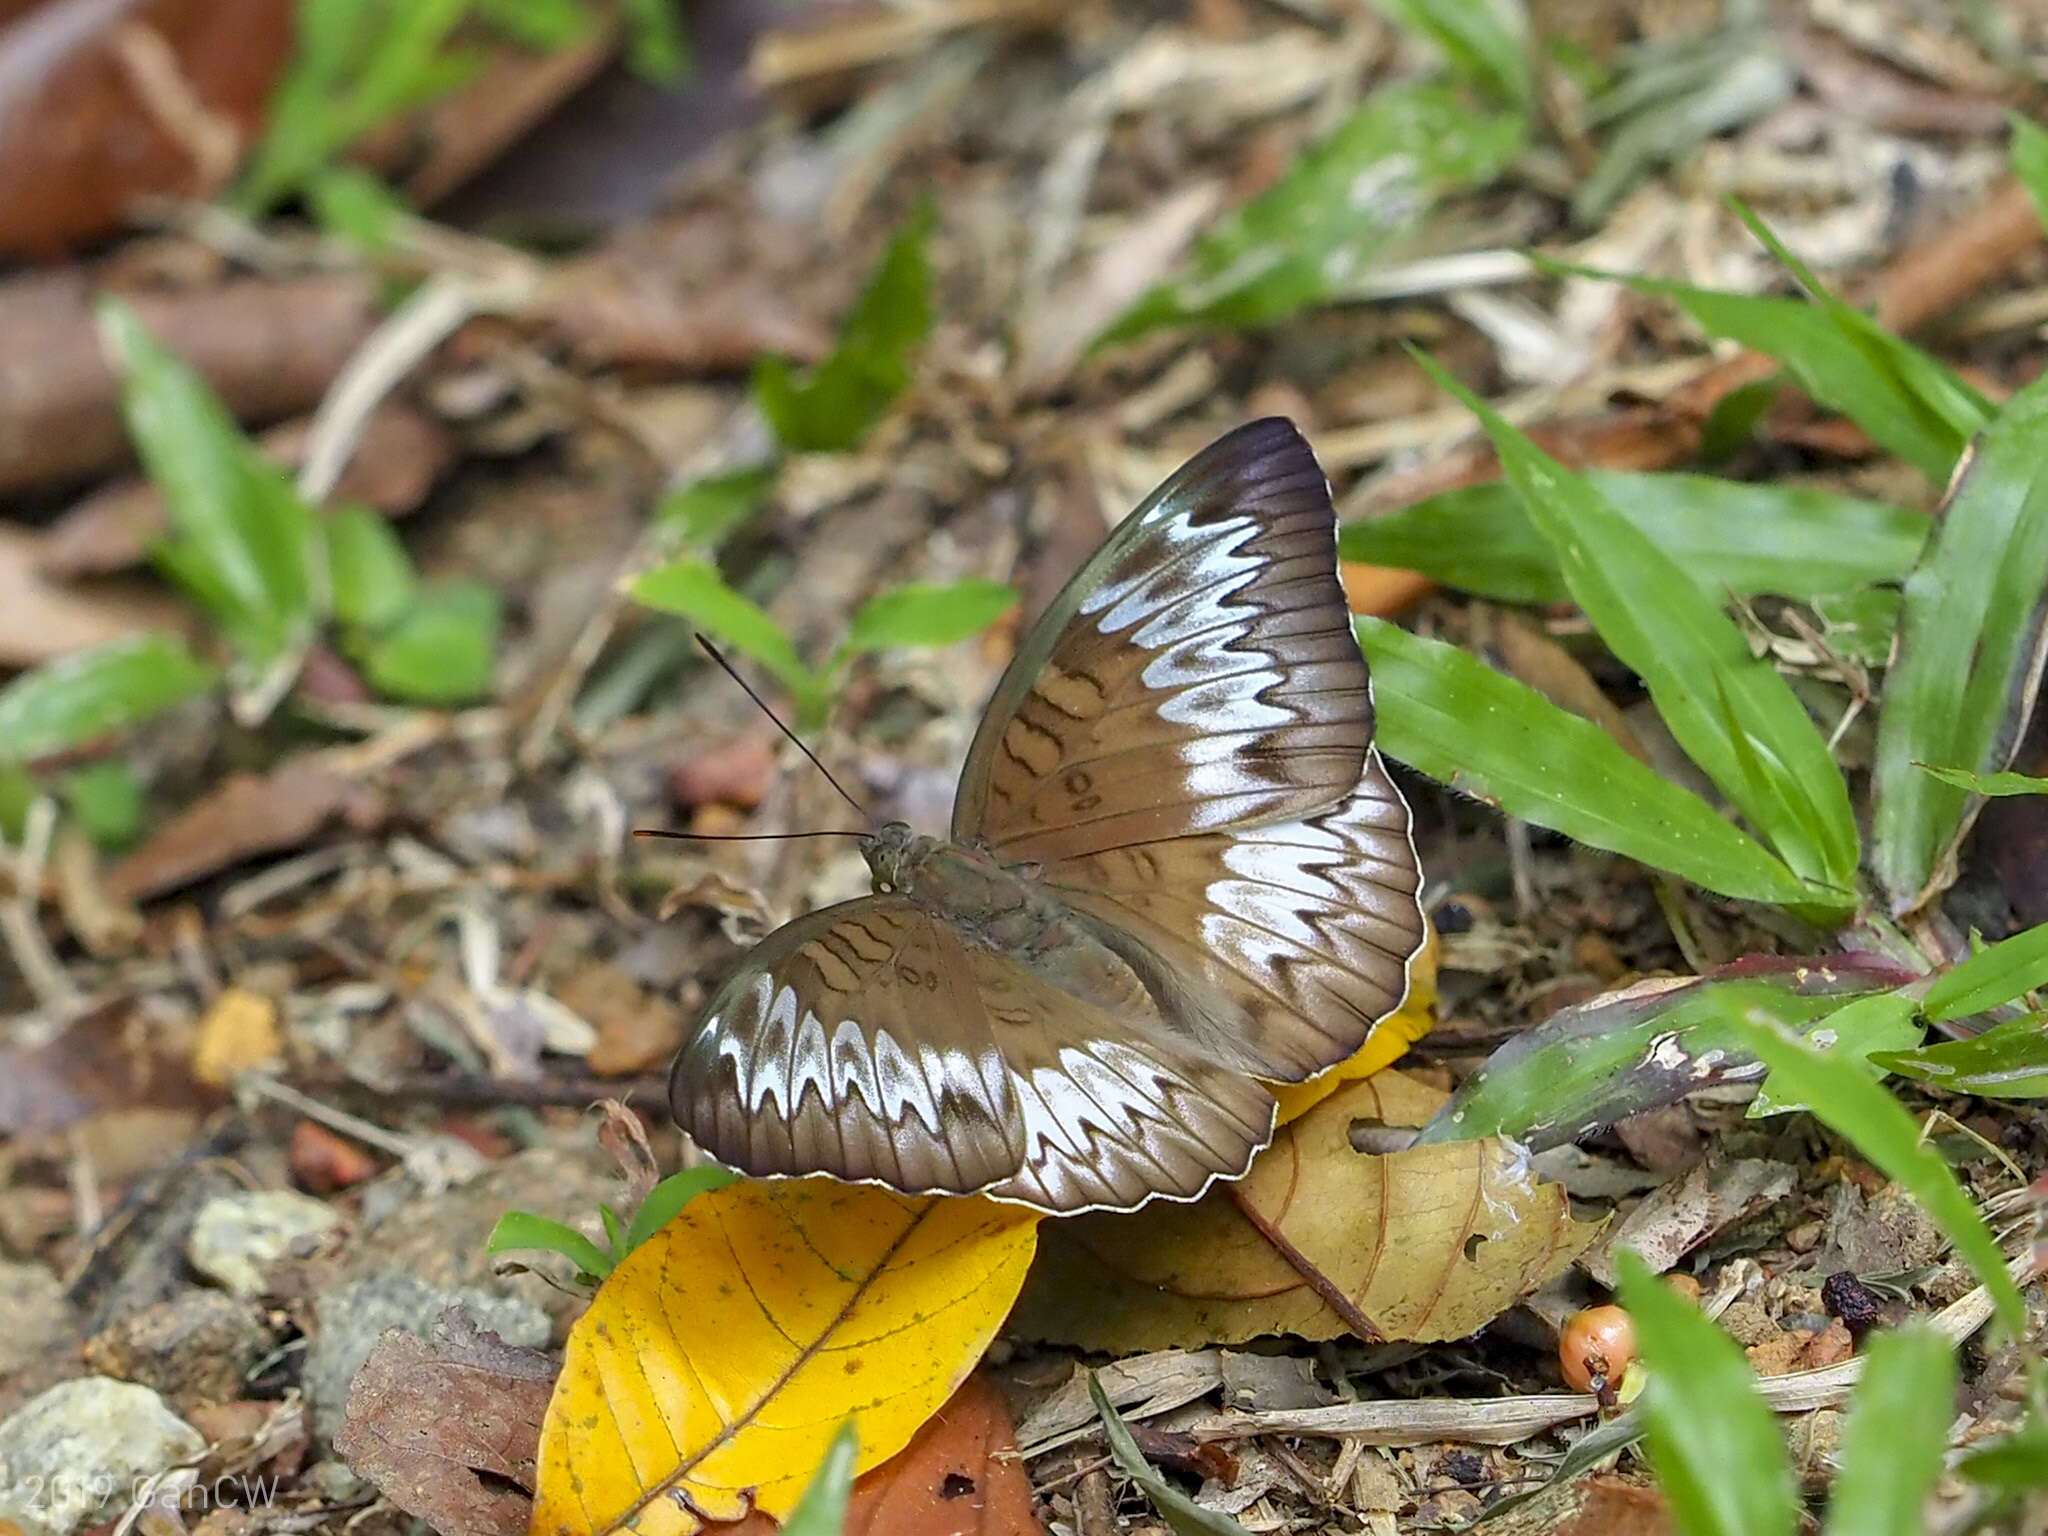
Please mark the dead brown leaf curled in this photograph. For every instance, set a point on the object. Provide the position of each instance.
(426, 1421)
(1429, 1243)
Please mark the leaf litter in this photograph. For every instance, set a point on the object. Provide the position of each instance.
(314, 884)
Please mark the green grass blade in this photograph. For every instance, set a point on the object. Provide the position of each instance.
(1486, 41)
(1909, 403)
(1712, 1441)
(1729, 709)
(2007, 1061)
(1332, 216)
(79, 698)
(1181, 1513)
(851, 390)
(1857, 1031)
(2029, 155)
(1878, 1126)
(243, 542)
(693, 589)
(1968, 638)
(1989, 784)
(522, 1231)
(668, 1197)
(370, 574)
(822, 1509)
(1996, 974)
(1896, 1435)
(1444, 712)
(1727, 535)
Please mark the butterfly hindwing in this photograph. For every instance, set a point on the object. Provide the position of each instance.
(873, 1041)
(1279, 946)
(1198, 673)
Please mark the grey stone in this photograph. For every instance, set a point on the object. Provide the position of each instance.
(351, 1317)
(236, 1238)
(77, 1454)
(35, 1316)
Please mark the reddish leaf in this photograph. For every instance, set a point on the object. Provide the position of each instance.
(956, 1478)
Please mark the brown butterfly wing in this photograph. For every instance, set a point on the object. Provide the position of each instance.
(872, 1041)
(1198, 673)
(1114, 1110)
(853, 1041)
(1280, 947)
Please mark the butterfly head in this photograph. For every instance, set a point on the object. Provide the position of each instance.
(892, 850)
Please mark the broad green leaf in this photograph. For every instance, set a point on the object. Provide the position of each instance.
(242, 540)
(1727, 535)
(662, 1202)
(1444, 712)
(108, 802)
(1487, 41)
(927, 614)
(18, 791)
(1883, 1021)
(2007, 1061)
(357, 63)
(440, 650)
(1181, 1513)
(79, 698)
(1991, 784)
(657, 48)
(1728, 708)
(832, 410)
(1996, 974)
(822, 1509)
(1896, 1435)
(1330, 219)
(1713, 1442)
(543, 25)
(369, 572)
(693, 589)
(1859, 626)
(1587, 1066)
(522, 1231)
(350, 202)
(1968, 641)
(2029, 156)
(1878, 1126)
(702, 515)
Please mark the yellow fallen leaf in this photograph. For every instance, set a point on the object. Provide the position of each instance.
(1318, 1239)
(239, 1032)
(716, 1363)
(1407, 1024)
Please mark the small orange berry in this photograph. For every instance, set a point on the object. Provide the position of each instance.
(1595, 1346)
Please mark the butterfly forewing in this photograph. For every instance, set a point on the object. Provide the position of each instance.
(854, 1042)
(1198, 673)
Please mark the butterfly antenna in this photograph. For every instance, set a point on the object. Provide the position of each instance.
(736, 837)
(713, 652)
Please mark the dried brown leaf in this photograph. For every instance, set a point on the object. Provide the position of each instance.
(402, 452)
(250, 813)
(425, 1419)
(1428, 1243)
(41, 619)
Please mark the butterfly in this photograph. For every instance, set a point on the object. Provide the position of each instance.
(1178, 871)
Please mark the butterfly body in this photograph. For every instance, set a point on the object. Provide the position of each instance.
(1177, 871)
